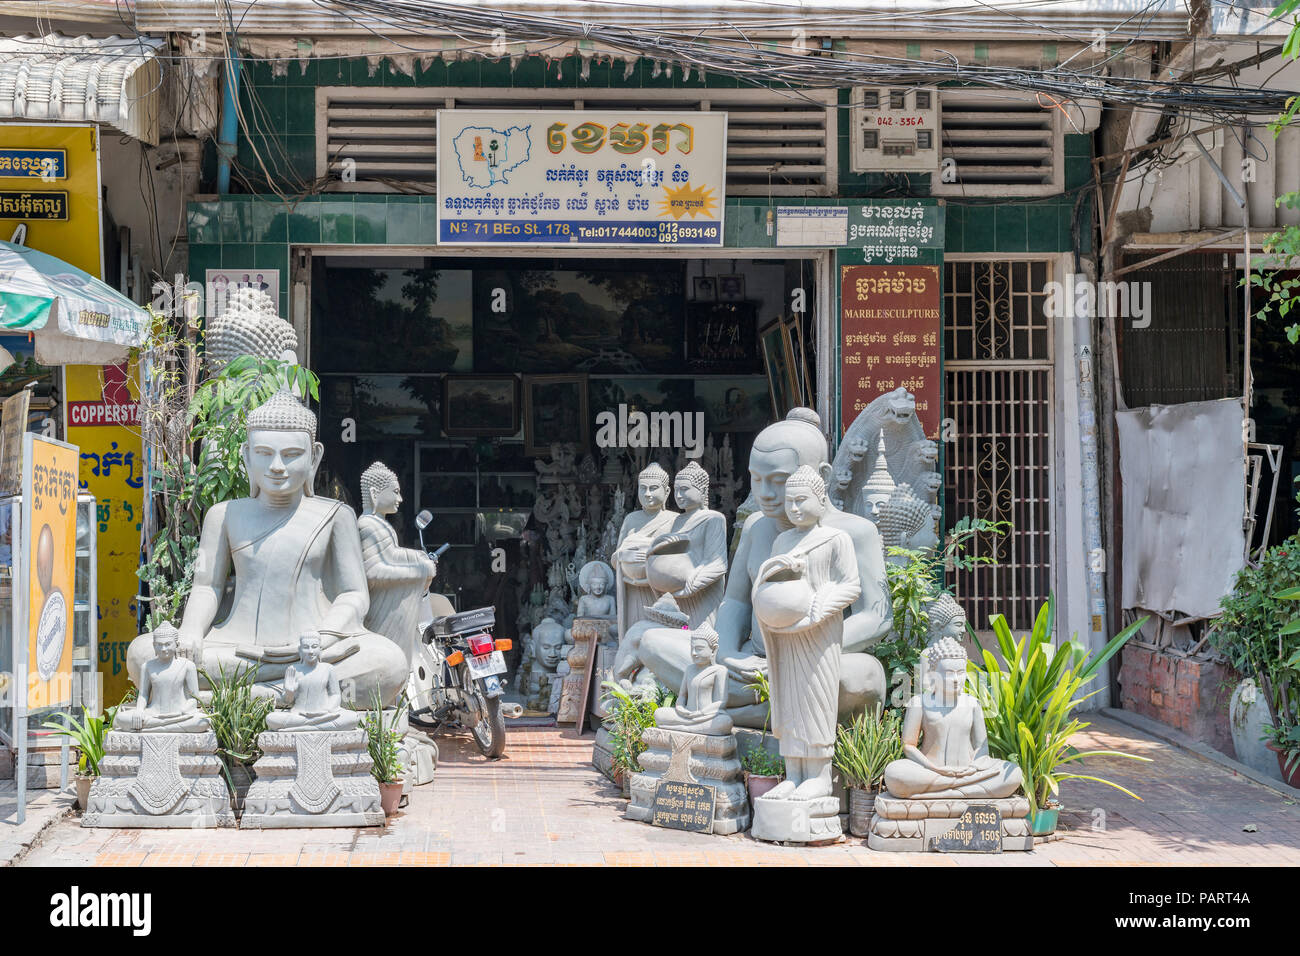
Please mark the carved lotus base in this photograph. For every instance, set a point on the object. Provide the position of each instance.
(712, 761)
(797, 821)
(159, 780)
(907, 826)
(312, 779)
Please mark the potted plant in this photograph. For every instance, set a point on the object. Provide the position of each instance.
(1028, 709)
(863, 749)
(626, 717)
(237, 717)
(87, 736)
(1259, 636)
(383, 741)
(763, 769)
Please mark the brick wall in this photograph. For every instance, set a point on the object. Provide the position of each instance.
(1185, 693)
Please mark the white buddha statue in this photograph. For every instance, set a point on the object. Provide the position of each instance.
(799, 597)
(945, 744)
(597, 582)
(690, 560)
(698, 709)
(297, 567)
(311, 688)
(639, 531)
(396, 577)
(169, 686)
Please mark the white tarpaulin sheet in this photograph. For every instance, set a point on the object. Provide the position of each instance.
(1182, 472)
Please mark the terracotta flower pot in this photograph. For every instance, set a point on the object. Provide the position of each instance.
(1291, 779)
(759, 785)
(390, 795)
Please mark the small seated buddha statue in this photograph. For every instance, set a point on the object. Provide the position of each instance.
(597, 582)
(169, 687)
(703, 692)
(945, 746)
(311, 688)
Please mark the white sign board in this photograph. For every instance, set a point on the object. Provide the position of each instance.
(812, 226)
(580, 177)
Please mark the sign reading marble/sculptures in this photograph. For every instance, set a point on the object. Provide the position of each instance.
(683, 806)
(890, 323)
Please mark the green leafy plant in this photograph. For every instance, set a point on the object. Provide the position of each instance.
(383, 740)
(627, 716)
(868, 744)
(86, 734)
(916, 578)
(237, 716)
(1028, 707)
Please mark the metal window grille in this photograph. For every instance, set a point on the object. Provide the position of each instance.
(998, 394)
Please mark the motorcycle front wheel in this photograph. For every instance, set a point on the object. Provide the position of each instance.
(490, 731)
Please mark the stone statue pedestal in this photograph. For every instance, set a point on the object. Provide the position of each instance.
(709, 760)
(312, 779)
(797, 821)
(588, 633)
(907, 826)
(159, 780)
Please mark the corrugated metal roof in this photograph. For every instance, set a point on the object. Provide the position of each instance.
(54, 78)
(1052, 20)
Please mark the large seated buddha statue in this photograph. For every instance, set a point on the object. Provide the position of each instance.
(777, 453)
(297, 566)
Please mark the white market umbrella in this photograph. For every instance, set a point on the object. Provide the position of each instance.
(36, 288)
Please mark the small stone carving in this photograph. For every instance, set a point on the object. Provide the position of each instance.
(538, 674)
(888, 425)
(159, 779)
(878, 489)
(312, 689)
(945, 618)
(946, 766)
(698, 709)
(169, 687)
(249, 325)
(597, 582)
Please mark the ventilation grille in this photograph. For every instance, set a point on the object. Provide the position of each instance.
(777, 144)
(999, 142)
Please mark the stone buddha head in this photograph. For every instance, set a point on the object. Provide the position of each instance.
(945, 671)
(691, 487)
(652, 488)
(805, 497)
(595, 578)
(548, 642)
(945, 618)
(165, 640)
(309, 648)
(381, 492)
(906, 521)
(879, 487)
(281, 453)
(704, 644)
(779, 451)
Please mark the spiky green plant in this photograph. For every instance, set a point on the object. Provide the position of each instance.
(626, 718)
(237, 715)
(1028, 707)
(383, 740)
(86, 734)
(867, 745)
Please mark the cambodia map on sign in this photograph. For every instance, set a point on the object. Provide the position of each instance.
(486, 155)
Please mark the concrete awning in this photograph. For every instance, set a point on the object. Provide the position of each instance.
(58, 79)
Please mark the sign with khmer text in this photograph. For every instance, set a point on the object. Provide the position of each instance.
(580, 177)
(890, 322)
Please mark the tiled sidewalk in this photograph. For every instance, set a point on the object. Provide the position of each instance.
(545, 804)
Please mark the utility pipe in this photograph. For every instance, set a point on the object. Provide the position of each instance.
(226, 140)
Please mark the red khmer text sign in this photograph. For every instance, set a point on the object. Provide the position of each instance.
(890, 321)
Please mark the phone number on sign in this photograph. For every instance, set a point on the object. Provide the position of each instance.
(659, 233)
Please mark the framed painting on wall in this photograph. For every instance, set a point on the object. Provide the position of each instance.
(555, 411)
(480, 405)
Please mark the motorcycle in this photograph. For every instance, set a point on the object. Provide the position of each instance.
(456, 683)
